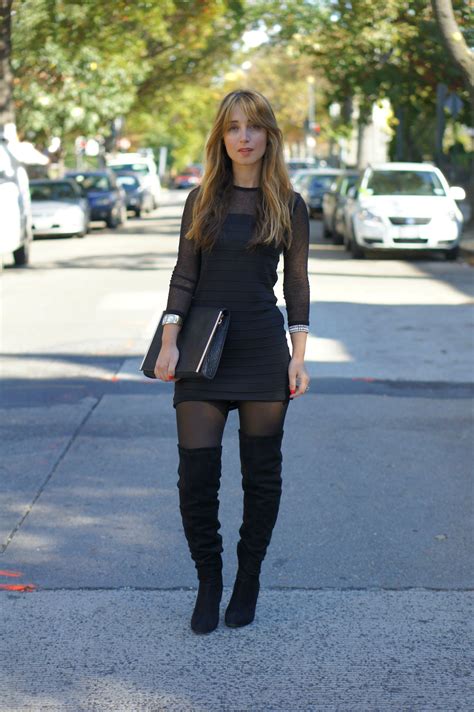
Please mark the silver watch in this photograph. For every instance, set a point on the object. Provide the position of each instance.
(172, 319)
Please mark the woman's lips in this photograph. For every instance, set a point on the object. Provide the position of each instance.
(245, 150)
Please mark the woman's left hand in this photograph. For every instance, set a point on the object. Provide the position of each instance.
(298, 378)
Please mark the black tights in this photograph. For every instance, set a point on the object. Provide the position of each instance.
(201, 423)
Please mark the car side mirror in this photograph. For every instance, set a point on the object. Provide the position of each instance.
(457, 193)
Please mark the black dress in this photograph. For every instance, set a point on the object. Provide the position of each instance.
(254, 363)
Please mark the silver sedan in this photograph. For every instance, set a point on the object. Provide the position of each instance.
(58, 208)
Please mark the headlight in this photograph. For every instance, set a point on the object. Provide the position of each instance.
(367, 216)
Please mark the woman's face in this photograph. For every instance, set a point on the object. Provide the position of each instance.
(245, 142)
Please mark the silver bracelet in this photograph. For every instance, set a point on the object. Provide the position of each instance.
(298, 327)
(172, 319)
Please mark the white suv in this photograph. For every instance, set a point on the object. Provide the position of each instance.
(144, 166)
(403, 206)
(15, 208)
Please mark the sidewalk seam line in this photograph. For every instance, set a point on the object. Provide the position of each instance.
(61, 457)
(283, 589)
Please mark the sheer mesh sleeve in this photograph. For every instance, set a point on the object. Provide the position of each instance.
(186, 272)
(295, 278)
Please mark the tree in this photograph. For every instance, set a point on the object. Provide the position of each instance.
(6, 79)
(372, 51)
(78, 65)
(460, 53)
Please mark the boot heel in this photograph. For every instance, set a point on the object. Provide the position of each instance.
(243, 602)
(205, 616)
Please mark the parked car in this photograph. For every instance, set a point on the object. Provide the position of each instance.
(399, 206)
(138, 195)
(190, 177)
(58, 208)
(295, 165)
(333, 205)
(15, 209)
(312, 185)
(143, 165)
(107, 200)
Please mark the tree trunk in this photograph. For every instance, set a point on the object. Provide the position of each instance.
(463, 59)
(460, 53)
(7, 113)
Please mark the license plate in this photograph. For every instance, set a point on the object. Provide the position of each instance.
(408, 232)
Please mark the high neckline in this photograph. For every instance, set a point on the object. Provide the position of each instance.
(241, 187)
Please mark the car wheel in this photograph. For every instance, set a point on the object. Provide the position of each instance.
(21, 256)
(452, 254)
(138, 212)
(357, 252)
(112, 222)
(327, 233)
(337, 239)
(345, 239)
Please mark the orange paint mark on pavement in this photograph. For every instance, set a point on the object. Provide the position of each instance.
(11, 573)
(17, 587)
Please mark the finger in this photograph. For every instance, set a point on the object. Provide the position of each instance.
(161, 371)
(302, 386)
(171, 370)
(292, 384)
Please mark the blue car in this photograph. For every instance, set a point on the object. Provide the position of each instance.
(312, 186)
(107, 200)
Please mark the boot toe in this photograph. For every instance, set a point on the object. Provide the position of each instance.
(242, 605)
(205, 616)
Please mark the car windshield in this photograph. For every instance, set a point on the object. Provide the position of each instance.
(99, 183)
(140, 168)
(128, 182)
(404, 183)
(53, 191)
(320, 182)
(299, 180)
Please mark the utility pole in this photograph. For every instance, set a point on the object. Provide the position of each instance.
(310, 140)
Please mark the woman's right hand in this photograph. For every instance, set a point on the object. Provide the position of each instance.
(166, 363)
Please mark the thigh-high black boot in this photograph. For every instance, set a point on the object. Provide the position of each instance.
(199, 479)
(261, 462)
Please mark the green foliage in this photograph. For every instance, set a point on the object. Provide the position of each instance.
(80, 64)
(370, 50)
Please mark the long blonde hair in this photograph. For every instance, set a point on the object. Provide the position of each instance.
(273, 218)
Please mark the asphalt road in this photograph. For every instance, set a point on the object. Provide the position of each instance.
(367, 585)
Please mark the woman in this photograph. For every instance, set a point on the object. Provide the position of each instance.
(235, 225)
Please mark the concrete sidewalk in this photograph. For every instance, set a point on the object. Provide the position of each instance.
(309, 651)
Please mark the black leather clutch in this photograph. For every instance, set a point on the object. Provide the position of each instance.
(200, 343)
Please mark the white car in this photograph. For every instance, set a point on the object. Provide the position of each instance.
(403, 206)
(58, 208)
(15, 210)
(144, 166)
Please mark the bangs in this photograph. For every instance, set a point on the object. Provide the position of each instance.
(254, 111)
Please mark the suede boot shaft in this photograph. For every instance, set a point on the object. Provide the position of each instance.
(261, 464)
(198, 484)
